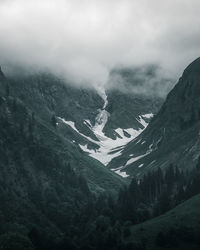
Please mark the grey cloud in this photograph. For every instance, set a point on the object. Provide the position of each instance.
(83, 39)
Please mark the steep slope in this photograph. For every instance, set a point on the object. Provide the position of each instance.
(133, 92)
(173, 134)
(126, 109)
(58, 97)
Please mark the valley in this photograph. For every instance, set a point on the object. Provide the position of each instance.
(172, 136)
(99, 125)
(121, 163)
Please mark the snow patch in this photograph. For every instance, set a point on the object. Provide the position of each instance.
(109, 148)
(130, 161)
(123, 174)
(148, 116)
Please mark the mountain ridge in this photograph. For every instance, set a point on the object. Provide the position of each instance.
(172, 135)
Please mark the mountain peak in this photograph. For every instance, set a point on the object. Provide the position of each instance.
(193, 68)
(173, 134)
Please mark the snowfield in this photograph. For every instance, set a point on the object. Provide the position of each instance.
(108, 148)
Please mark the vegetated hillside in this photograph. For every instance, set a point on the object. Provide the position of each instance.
(45, 179)
(173, 134)
(177, 229)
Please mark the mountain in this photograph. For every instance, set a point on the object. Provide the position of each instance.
(172, 136)
(44, 96)
(122, 117)
(101, 122)
(93, 120)
(129, 110)
(56, 195)
(46, 178)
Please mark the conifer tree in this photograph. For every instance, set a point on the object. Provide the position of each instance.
(7, 90)
(53, 121)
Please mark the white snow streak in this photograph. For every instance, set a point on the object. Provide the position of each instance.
(130, 161)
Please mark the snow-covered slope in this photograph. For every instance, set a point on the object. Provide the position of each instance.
(108, 148)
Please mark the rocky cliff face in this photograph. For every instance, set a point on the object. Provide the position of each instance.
(173, 134)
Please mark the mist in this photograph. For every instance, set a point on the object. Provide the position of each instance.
(147, 80)
(84, 40)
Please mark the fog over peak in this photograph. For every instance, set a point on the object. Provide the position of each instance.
(84, 40)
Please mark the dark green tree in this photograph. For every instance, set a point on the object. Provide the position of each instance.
(7, 90)
(53, 121)
(15, 241)
(160, 239)
(14, 105)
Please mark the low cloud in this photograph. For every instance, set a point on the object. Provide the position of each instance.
(84, 40)
(145, 80)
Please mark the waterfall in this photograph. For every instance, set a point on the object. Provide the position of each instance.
(101, 118)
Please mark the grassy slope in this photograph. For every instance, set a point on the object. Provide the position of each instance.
(186, 214)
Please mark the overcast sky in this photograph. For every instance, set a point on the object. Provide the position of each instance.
(84, 39)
